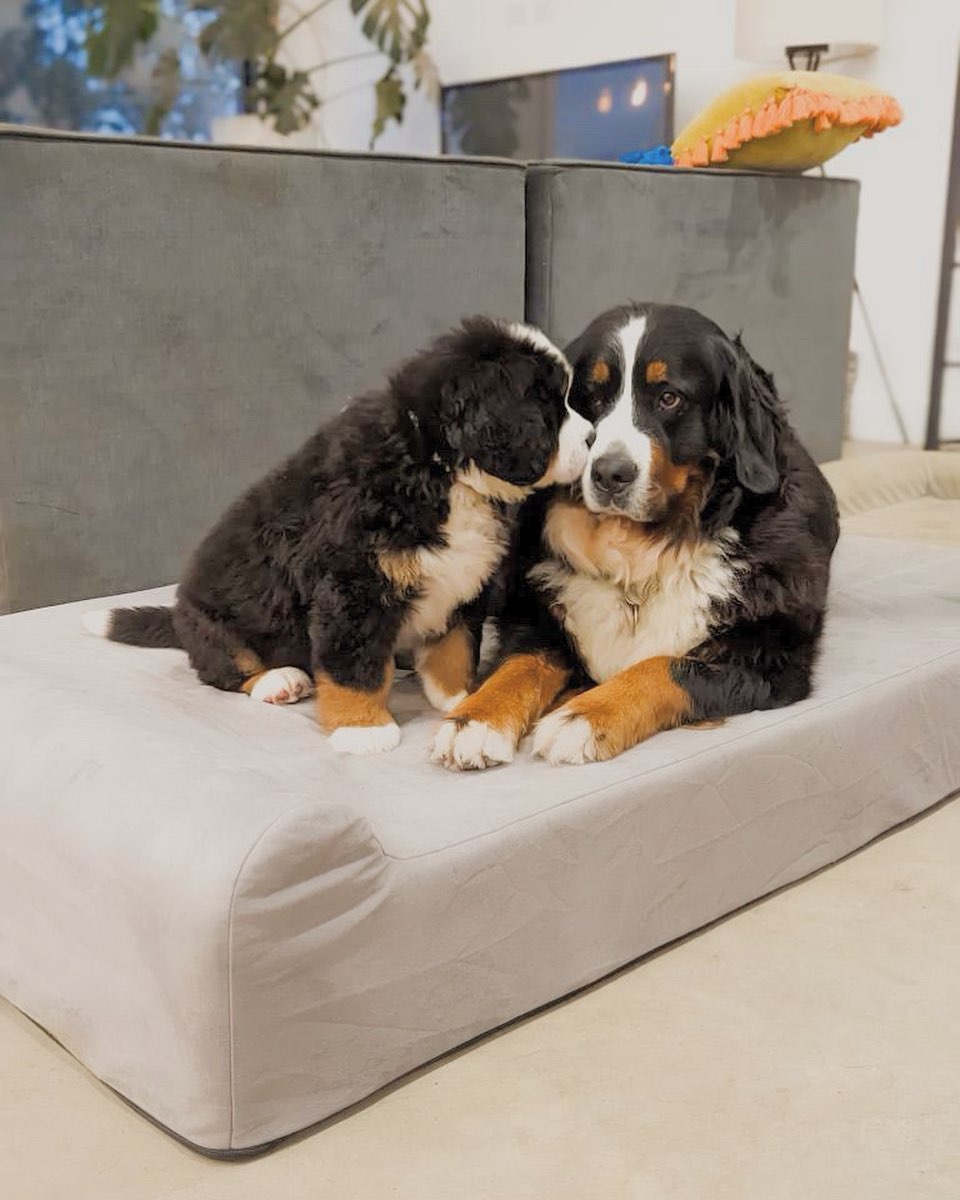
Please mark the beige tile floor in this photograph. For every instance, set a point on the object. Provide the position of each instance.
(807, 1048)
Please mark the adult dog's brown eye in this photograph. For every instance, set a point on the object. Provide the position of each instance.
(668, 401)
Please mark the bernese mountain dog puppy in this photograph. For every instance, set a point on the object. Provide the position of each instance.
(379, 536)
(683, 580)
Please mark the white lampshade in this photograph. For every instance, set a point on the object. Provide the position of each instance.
(766, 27)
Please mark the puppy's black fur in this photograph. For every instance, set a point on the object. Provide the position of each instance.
(292, 572)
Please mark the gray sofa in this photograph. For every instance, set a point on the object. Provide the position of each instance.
(183, 316)
(235, 928)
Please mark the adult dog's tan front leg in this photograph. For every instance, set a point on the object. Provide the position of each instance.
(612, 717)
(485, 728)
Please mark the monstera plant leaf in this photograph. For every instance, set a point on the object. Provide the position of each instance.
(242, 30)
(391, 101)
(397, 27)
(284, 95)
(118, 27)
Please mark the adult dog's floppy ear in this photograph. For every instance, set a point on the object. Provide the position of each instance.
(748, 418)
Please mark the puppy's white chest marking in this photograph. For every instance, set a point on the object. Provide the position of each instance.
(617, 619)
(451, 576)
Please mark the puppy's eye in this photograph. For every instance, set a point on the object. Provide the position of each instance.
(668, 401)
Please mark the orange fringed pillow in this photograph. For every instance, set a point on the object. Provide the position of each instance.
(786, 122)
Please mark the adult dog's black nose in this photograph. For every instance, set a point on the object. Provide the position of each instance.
(612, 473)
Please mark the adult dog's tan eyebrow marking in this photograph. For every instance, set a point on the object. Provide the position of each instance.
(599, 372)
(656, 371)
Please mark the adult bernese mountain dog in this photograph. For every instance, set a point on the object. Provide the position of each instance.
(683, 580)
(378, 536)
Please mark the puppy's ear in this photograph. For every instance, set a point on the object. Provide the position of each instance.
(748, 418)
(497, 414)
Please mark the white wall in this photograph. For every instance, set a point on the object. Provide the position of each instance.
(903, 176)
(903, 172)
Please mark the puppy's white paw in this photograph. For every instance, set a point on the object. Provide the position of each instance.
(564, 738)
(282, 685)
(97, 622)
(471, 747)
(365, 739)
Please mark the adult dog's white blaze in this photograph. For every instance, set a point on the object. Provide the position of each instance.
(617, 428)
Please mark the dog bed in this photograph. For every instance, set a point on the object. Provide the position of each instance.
(243, 933)
(913, 494)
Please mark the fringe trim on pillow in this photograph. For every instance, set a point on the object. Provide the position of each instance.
(874, 113)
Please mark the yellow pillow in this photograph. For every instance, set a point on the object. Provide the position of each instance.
(790, 121)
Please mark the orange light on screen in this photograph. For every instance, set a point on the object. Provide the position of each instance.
(638, 94)
(604, 100)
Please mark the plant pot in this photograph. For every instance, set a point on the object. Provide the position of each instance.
(247, 129)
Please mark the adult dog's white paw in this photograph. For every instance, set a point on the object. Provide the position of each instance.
(282, 685)
(365, 739)
(471, 747)
(563, 737)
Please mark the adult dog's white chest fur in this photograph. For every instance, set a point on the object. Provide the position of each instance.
(476, 541)
(623, 597)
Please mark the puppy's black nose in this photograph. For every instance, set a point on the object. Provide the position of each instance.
(613, 473)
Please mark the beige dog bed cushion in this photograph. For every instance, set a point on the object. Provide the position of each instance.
(912, 494)
(243, 933)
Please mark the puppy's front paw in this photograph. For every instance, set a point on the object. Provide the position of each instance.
(282, 685)
(566, 737)
(365, 739)
(471, 746)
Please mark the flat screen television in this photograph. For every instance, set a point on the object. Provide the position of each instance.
(598, 112)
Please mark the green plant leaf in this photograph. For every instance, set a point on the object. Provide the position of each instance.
(286, 96)
(391, 101)
(117, 27)
(397, 27)
(243, 30)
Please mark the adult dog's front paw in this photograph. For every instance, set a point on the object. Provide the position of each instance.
(566, 736)
(471, 746)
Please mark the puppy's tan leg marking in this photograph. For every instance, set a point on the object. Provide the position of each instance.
(445, 667)
(358, 722)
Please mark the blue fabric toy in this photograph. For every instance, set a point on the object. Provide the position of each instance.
(659, 156)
